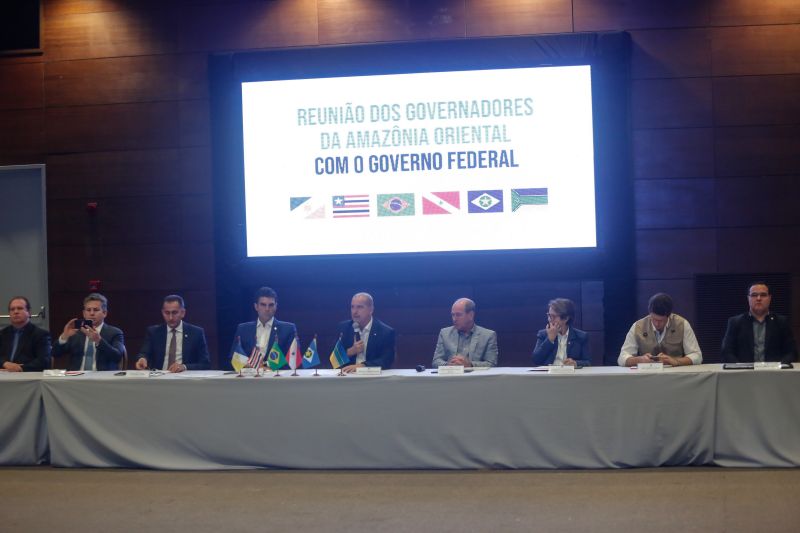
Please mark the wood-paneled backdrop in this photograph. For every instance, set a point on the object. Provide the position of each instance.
(117, 107)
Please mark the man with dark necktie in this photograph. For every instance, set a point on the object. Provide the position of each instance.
(176, 345)
(23, 346)
(98, 346)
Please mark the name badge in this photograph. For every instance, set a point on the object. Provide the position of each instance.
(249, 372)
(650, 367)
(560, 369)
(767, 365)
(368, 371)
(137, 374)
(54, 373)
(448, 370)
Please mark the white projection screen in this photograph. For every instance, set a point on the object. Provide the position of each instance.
(468, 160)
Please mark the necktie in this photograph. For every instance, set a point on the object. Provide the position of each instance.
(173, 348)
(17, 335)
(88, 363)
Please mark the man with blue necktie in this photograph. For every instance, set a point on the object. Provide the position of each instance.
(24, 347)
(98, 346)
(266, 328)
(176, 345)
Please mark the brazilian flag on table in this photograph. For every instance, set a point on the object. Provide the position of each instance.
(276, 358)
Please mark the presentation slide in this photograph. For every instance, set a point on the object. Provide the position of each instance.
(425, 162)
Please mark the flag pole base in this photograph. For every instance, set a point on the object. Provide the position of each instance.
(294, 373)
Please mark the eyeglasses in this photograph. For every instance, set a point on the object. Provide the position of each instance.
(548, 316)
(758, 294)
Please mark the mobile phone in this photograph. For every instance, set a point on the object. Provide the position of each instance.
(80, 322)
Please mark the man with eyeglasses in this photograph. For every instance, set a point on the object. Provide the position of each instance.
(24, 347)
(175, 345)
(465, 343)
(559, 343)
(758, 335)
(92, 344)
(660, 337)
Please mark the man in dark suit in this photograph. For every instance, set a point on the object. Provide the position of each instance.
(176, 345)
(559, 342)
(96, 347)
(369, 341)
(266, 329)
(23, 346)
(758, 335)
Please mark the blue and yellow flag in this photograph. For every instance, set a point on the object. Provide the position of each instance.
(339, 355)
(276, 358)
(238, 358)
(311, 355)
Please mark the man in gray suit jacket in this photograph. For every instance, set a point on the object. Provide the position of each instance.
(465, 343)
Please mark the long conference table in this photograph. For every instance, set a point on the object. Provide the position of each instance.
(602, 417)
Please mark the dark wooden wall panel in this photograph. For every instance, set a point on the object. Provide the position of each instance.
(678, 53)
(675, 253)
(758, 201)
(674, 203)
(748, 12)
(759, 100)
(515, 17)
(21, 135)
(673, 153)
(757, 150)
(384, 20)
(21, 86)
(759, 249)
(602, 15)
(756, 50)
(681, 103)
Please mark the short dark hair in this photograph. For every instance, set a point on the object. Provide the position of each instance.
(97, 297)
(175, 298)
(564, 307)
(265, 292)
(660, 304)
(27, 302)
(758, 282)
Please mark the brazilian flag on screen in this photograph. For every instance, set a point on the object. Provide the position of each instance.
(276, 358)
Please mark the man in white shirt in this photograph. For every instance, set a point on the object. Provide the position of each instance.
(660, 337)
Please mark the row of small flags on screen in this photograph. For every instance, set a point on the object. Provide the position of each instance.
(276, 359)
(404, 204)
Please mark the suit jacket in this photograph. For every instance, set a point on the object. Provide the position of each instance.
(108, 353)
(195, 350)
(738, 343)
(380, 348)
(482, 347)
(33, 350)
(577, 348)
(246, 332)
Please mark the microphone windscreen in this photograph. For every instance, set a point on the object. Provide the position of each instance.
(420, 368)
(356, 332)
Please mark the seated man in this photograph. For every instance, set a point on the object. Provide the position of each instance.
(266, 328)
(369, 342)
(558, 343)
(99, 347)
(660, 337)
(758, 335)
(465, 343)
(24, 347)
(175, 345)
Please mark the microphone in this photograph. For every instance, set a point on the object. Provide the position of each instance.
(356, 332)
(420, 368)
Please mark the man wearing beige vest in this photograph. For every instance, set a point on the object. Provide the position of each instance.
(660, 337)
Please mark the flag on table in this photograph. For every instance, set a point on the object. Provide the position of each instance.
(485, 201)
(339, 355)
(441, 203)
(351, 205)
(295, 358)
(238, 359)
(396, 205)
(311, 355)
(276, 358)
(306, 207)
(520, 197)
(256, 356)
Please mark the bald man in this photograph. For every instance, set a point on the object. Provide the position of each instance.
(465, 343)
(369, 342)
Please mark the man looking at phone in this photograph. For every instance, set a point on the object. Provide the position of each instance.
(660, 337)
(91, 343)
(465, 343)
(23, 346)
(176, 345)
